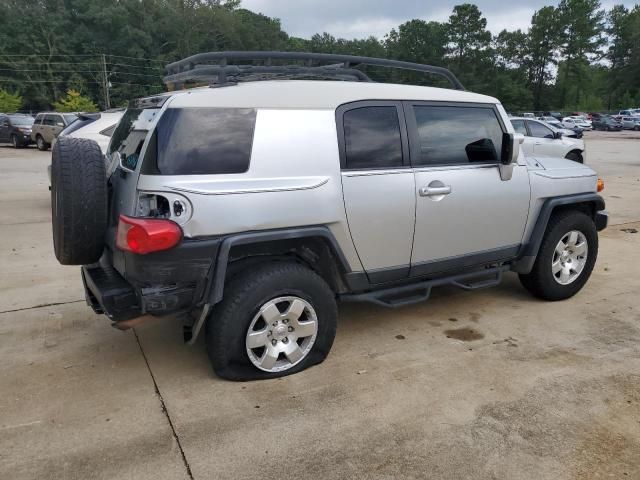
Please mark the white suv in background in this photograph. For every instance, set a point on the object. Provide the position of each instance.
(541, 138)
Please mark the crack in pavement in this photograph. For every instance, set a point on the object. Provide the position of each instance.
(164, 407)
(41, 306)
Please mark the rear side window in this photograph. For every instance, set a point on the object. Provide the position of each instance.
(372, 138)
(456, 135)
(202, 141)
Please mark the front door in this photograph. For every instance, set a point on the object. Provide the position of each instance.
(544, 141)
(4, 129)
(466, 214)
(378, 186)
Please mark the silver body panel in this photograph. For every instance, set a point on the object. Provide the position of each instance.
(481, 213)
(378, 218)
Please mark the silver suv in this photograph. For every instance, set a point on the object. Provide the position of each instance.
(48, 125)
(250, 207)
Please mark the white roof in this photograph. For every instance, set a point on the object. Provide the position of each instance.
(312, 94)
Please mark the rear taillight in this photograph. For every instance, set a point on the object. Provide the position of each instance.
(146, 235)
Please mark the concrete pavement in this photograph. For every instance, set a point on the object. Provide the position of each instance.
(483, 385)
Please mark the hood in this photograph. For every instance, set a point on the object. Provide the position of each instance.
(554, 167)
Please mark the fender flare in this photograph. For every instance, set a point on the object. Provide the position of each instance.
(529, 250)
(215, 287)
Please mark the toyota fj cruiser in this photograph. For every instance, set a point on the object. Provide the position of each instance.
(249, 207)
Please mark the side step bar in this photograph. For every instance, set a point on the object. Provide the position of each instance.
(420, 291)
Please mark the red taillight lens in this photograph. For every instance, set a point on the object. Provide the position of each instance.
(143, 235)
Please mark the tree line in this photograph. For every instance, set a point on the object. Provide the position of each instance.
(574, 56)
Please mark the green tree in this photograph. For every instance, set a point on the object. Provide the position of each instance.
(9, 102)
(74, 102)
(581, 39)
(543, 40)
(467, 32)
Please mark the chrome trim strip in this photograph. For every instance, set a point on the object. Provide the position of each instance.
(256, 190)
(364, 173)
(564, 177)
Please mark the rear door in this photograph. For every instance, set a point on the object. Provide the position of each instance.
(465, 213)
(378, 186)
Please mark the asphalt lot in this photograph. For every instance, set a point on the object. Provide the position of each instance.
(536, 391)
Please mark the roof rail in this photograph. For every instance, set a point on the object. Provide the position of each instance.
(217, 67)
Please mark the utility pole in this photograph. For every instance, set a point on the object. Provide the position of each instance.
(105, 83)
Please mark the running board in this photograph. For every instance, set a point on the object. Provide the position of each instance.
(420, 291)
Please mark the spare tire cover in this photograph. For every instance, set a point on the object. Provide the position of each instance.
(78, 200)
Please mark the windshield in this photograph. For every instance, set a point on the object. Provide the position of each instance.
(129, 135)
(21, 121)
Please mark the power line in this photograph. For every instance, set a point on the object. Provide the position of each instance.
(115, 72)
(69, 55)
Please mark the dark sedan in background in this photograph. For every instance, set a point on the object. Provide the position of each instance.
(606, 122)
(16, 129)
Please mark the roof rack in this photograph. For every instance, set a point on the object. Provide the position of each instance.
(218, 67)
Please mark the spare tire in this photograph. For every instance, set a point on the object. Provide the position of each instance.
(78, 200)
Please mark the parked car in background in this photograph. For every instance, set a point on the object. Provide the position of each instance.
(631, 112)
(16, 129)
(95, 126)
(557, 124)
(48, 126)
(630, 123)
(608, 123)
(541, 139)
(528, 115)
(577, 121)
(556, 115)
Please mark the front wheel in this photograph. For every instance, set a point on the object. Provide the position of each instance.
(575, 156)
(566, 257)
(15, 142)
(275, 319)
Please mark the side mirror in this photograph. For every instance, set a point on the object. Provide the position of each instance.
(557, 135)
(510, 151)
(510, 147)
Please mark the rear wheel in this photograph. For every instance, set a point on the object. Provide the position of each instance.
(566, 258)
(41, 144)
(275, 319)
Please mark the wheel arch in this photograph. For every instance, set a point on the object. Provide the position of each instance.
(314, 247)
(578, 152)
(588, 203)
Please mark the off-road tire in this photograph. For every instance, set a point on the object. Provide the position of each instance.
(245, 293)
(78, 201)
(540, 281)
(575, 156)
(41, 144)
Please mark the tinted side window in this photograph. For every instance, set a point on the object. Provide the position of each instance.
(372, 137)
(193, 141)
(540, 131)
(48, 120)
(456, 135)
(518, 126)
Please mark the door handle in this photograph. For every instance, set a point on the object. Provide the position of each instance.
(433, 191)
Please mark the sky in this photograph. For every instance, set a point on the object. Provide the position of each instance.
(362, 18)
